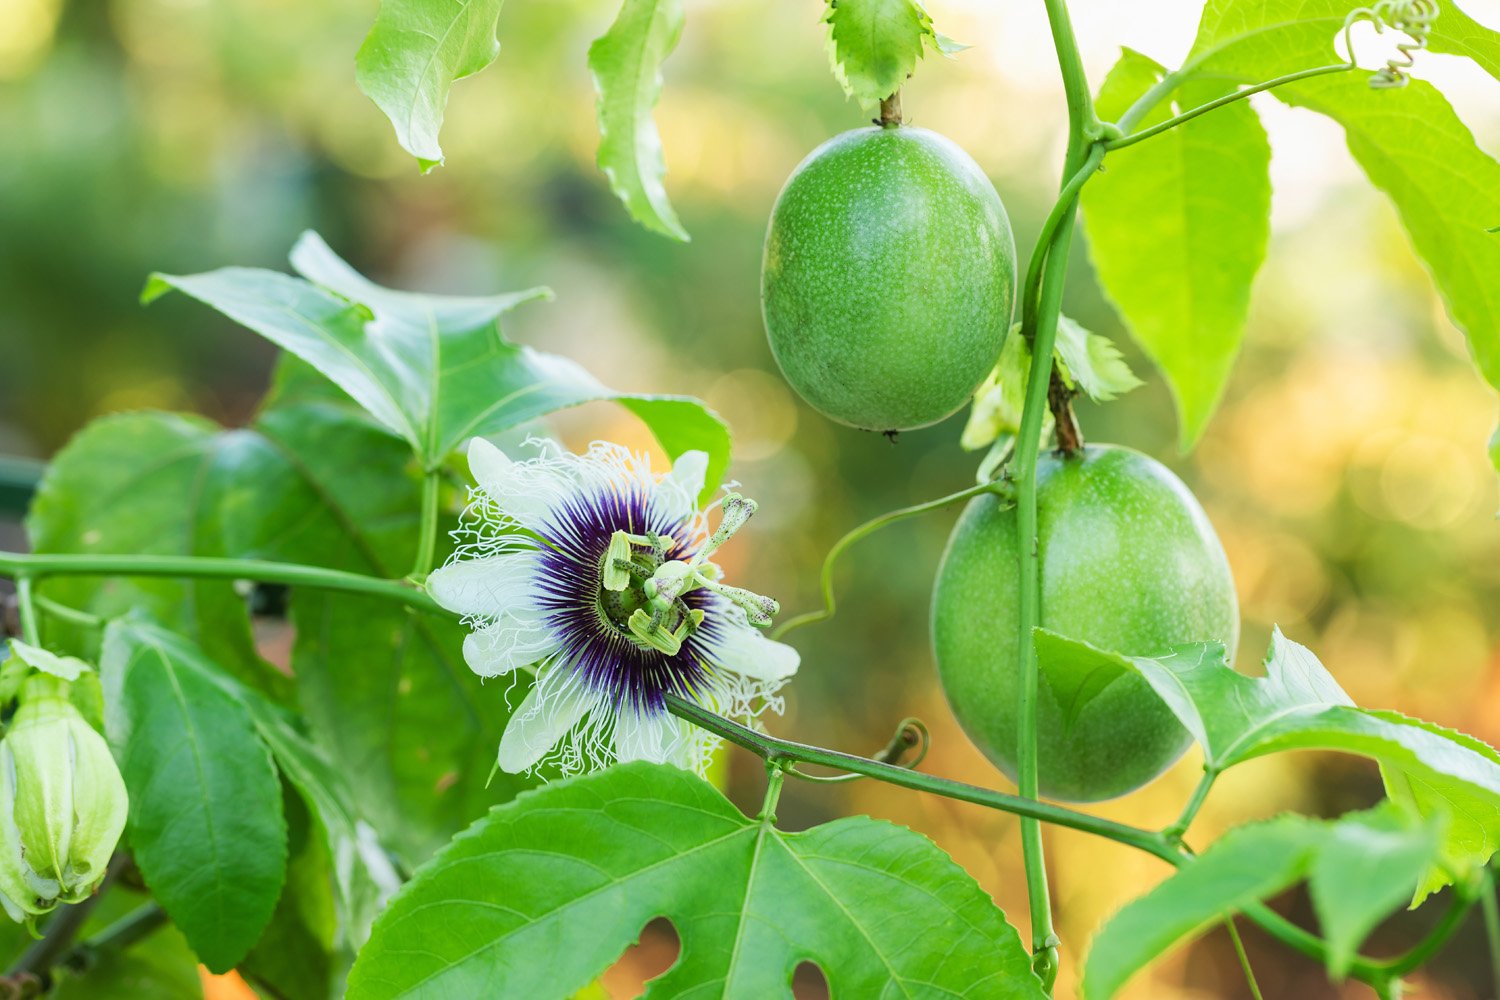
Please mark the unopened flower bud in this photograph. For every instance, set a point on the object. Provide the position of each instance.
(62, 803)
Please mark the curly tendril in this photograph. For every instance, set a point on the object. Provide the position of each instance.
(1413, 18)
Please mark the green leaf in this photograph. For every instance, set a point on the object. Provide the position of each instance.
(1178, 227)
(626, 63)
(386, 691)
(1092, 363)
(432, 368)
(145, 484)
(544, 893)
(1299, 706)
(362, 877)
(68, 668)
(1409, 142)
(411, 58)
(874, 45)
(1365, 870)
(205, 822)
(1254, 862)
(1456, 33)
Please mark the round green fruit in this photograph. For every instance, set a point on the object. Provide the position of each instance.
(1130, 564)
(888, 278)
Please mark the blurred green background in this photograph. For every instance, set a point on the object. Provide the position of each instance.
(1346, 472)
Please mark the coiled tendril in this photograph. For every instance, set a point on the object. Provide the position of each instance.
(1413, 18)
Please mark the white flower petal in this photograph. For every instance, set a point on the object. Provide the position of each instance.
(527, 491)
(509, 643)
(680, 487)
(548, 712)
(493, 586)
(745, 651)
(640, 738)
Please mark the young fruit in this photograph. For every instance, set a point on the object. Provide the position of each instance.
(1130, 564)
(888, 278)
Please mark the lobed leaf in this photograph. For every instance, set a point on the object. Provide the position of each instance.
(411, 58)
(1299, 706)
(1178, 227)
(1254, 862)
(206, 824)
(626, 64)
(544, 893)
(434, 369)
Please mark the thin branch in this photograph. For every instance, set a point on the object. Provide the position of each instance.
(773, 749)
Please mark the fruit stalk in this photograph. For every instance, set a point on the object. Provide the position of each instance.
(1043, 335)
(890, 111)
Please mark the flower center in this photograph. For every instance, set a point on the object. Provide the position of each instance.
(641, 590)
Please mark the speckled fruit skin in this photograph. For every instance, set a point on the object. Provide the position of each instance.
(888, 278)
(1129, 563)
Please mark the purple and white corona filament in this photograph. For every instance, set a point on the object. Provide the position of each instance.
(594, 572)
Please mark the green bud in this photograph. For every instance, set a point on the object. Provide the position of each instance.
(62, 803)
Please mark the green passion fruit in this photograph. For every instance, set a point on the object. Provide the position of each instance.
(888, 278)
(1129, 563)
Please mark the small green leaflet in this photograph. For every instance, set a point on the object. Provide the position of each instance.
(205, 824)
(1089, 362)
(411, 58)
(626, 63)
(1359, 869)
(432, 368)
(547, 891)
(1299, 706)
(1180, 274)
(874, 45)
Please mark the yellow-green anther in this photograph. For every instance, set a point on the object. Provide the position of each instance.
(648, 629)
(616, 577)
(62, 803)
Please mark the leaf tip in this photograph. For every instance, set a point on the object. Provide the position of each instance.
(157, 285)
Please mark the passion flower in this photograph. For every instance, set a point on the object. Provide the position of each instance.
(595, 572)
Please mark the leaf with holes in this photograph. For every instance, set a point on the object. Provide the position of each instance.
(432, 368)
(574, 870)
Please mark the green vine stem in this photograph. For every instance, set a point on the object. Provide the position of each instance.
(432, 482)
(135, 926)
(57, 938)
(28, 568)
(781, 751)
(31, 630)
(1043, 311)
(1190, 811)
(1244, 957)
(863, 531)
